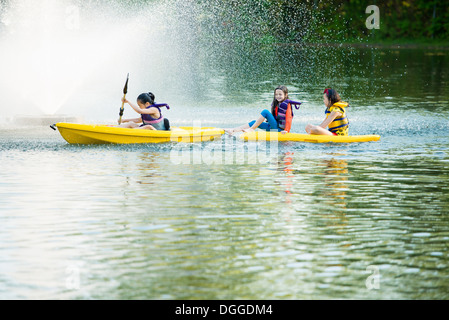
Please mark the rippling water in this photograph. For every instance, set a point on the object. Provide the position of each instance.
(313, 221)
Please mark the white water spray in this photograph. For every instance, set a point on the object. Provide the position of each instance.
(71, 56)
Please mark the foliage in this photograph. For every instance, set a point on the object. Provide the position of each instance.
(295, 21)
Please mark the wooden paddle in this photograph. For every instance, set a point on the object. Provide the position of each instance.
(125, 91)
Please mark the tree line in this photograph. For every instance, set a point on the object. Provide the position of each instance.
(303, 21)
(297, 21)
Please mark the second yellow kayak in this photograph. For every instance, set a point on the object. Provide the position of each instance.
(277, 136)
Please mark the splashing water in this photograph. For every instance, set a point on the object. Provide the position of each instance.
(73, 55)
(44, 60)
(54, 53)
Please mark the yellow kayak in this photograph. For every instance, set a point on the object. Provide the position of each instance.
(273, 136)
(102, 134)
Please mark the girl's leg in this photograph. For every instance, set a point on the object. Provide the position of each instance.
(311, 129)
(271, 120)
(147, 127)
(259, 123)
(253, 125)
(238, 129)
(264, 126)
(131, 125)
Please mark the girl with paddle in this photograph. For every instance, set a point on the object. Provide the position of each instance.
(279, 119)
(151, 117)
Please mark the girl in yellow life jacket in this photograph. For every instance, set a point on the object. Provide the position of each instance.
(336, 118)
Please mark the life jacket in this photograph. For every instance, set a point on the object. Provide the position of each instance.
(340, 125)
(284, 114)
(156, 123)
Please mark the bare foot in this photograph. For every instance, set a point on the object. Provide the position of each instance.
(229, 131)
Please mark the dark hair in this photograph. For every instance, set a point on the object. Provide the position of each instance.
(332, 95)
(275, 103)
(146, 97)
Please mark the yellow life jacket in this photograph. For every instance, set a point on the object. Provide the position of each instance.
(340, 124)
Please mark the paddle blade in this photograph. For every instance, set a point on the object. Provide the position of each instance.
(125, 89)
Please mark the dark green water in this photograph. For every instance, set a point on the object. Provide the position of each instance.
(314, 221)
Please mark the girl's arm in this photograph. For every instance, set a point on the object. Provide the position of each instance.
(329, 119)
(141, 111)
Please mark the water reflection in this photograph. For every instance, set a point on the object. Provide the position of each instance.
(304, 224)
(148, 168)
(334, 192)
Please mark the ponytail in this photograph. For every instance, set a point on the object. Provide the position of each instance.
(146, 97)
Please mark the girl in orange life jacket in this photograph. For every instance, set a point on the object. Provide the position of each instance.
(151, 115)
(279, 119)
(336, 118)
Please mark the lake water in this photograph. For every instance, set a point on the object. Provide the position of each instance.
(310, 221)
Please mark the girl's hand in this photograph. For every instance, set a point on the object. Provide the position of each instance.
(284, 132)
(124, 100)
